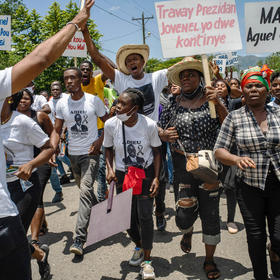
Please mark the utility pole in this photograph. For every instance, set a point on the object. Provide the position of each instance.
(143, 25)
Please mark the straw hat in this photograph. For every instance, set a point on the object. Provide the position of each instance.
(126, 50)
(185, 64)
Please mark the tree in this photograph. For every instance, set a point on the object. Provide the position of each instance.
(29, 29)
(154, 64)
(273, 61)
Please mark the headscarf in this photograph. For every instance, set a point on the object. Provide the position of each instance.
(257, 75)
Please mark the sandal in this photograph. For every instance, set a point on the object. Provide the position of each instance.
(212, 272)
(186, 242)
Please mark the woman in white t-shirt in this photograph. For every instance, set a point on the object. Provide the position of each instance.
(132, 139)
(20, 134)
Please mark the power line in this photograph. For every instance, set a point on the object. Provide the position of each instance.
(121, 10)
(116, 16)
(136, 6)
(122, 36)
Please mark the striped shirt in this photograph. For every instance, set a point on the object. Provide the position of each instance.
(241, 127)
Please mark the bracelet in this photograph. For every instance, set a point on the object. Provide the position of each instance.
(76, 25)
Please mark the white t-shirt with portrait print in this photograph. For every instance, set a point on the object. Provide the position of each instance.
(140, 139)
(80, 117)
(151, 85)
(20, 134)
(7, 207)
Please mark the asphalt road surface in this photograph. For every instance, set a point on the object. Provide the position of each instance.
(108, 259)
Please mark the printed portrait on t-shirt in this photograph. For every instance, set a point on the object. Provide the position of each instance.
(80, 122)
(9, 156)
(149, 99)
(134, 151)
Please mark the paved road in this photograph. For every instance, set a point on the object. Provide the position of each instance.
(108, 260)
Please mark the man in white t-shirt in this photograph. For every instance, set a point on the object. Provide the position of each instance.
(131, 60)
(14, 249)
(40, 103)
(79, 111)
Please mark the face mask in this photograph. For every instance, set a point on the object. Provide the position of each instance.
(31, 89)
(124, 117)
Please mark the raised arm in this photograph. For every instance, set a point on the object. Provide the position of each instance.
(98, 58)
(47, 52)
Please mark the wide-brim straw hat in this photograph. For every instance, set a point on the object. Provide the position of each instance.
(126, 50)
(187, 63)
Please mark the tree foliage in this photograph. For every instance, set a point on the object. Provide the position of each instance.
(155, 64)
(30, 29)
(273, 61)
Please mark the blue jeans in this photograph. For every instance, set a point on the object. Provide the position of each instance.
(59, 160)
(169, 164)
(55, 181)
(101, 177)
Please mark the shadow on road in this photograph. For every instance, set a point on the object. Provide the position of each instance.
(190, 265)
(121, 238)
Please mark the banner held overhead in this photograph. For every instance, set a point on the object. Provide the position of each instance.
(5, 33)
(197, 26)
(262, 27)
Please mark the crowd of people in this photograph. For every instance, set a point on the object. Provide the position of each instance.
(148, 133)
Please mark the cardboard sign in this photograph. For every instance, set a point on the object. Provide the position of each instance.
(5, 33)
(77, 47)
(104, 223)
(262, 20)
(226, 60)
(197, 27)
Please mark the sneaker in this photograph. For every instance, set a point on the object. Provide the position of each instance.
(232, 227)
(64, 180)
(44, 267)
(57, 197)
(147, 271)
(137, 257)
(77, 247)
(161, 222)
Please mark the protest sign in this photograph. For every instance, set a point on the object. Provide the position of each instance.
(197, 27)
(221, 63)
(5, 33)
(77, 47)
(262, 27)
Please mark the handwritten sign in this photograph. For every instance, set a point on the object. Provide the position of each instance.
(262, 27)
(197, 27)
(5, 33)
(77, 47)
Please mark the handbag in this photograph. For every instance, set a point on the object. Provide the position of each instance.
(134, 176)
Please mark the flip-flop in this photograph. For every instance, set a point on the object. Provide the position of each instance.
(214, 272)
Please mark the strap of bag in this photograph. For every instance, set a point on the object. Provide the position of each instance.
(124, 147)
(110, 197)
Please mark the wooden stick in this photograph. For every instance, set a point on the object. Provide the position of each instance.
(82, 3)
(208, 83)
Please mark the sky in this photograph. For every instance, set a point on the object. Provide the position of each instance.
(114, 20)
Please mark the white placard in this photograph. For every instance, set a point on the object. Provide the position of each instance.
(5, 33)
(77, 47)
(222, 64)
(197, 27)
(231, 58)
(262, 27)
